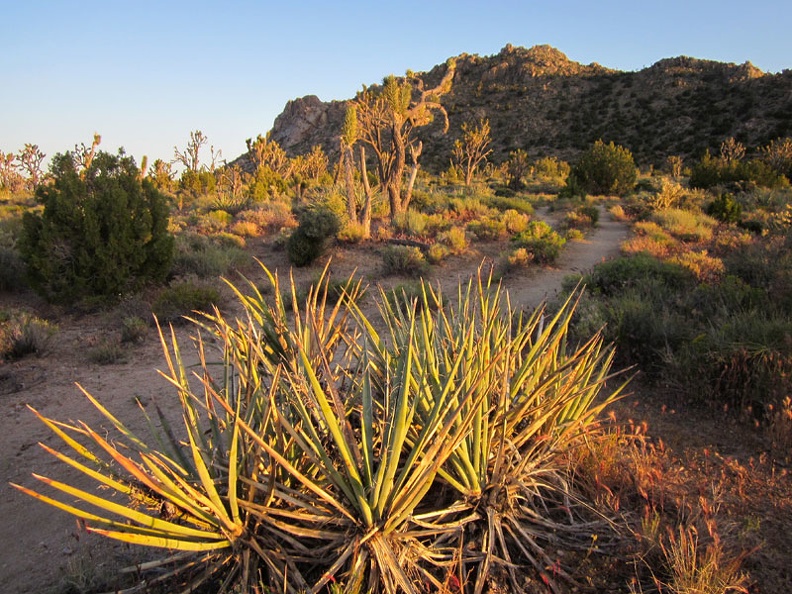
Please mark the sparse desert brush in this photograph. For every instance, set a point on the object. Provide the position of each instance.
(488, 229)
(469, 209)
(650, 238)
(411, 223)
(574, 235)
(23, 334)
(706, 268)
(206, 257)
(618, 213)
(107, 351)
(686, 225)
(511, 261)
(273, 216)
(352, 232)
(505, 203)
(183, 299)
(133, 329)
(515, 221)
(730, 239)
(245, 229)
(438, 222)
(437, 253)
(455, 239)
(403, 260)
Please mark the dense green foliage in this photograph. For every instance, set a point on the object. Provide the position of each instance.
(541, 242)
(603, 169)
(309, 240)
(102, 231)
(718, 171)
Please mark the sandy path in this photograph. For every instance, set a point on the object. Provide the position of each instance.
(39, 544)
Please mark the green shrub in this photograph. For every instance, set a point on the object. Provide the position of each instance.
(437, 253)
(182, 299)
(352, 232)
(505, 203)
(411, 223)
(403, 260)
(515, 221)
(718, 171)
(12, 270)
(103, 232)
(605, 169)
(541, 241)
(456, 240)
(488, 229)
(725, 208)
(309, 240)
(133, 329)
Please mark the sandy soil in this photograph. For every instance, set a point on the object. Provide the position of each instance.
(43, 548)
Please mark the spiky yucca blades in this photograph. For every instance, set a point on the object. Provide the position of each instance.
(320, 445)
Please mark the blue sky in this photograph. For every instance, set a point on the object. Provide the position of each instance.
(145, 73)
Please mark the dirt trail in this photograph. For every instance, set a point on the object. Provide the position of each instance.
(41, 545)
(542, 284)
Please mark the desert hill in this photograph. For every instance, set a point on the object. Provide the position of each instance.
(540, 101)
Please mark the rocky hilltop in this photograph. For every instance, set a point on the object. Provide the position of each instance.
(540, 101)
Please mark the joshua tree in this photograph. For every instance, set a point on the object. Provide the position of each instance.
(349, 136)
(473, 148)
(516, 167)
(386, 119)
(84, 156)
(30, 159)
(190, 158)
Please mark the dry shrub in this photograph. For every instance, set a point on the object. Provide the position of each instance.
(686, 225)
(24, 334)
(352, 232)
(706, 268)
(272, 216)
(455, 239)
(515, 222)
(651, 239)
(780, 429)
(697, 567)
(245, 229)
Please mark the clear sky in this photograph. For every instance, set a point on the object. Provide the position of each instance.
(145, 73)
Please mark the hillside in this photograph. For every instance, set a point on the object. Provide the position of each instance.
(539, 100)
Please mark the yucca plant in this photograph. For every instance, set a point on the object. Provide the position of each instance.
(533, 398)
(321, 445)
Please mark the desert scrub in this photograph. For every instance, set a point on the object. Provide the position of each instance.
(184, 298)
(245, 229)
(515, 221)
(403, 260)
(411, 223)
(505, 203)
(455, 239)
(488, 229)
(686, 225)
(463, 411)
(541, 241)
(206, 257)
(512, 261)
(650, 238)
(23, 334)
(317, 226)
